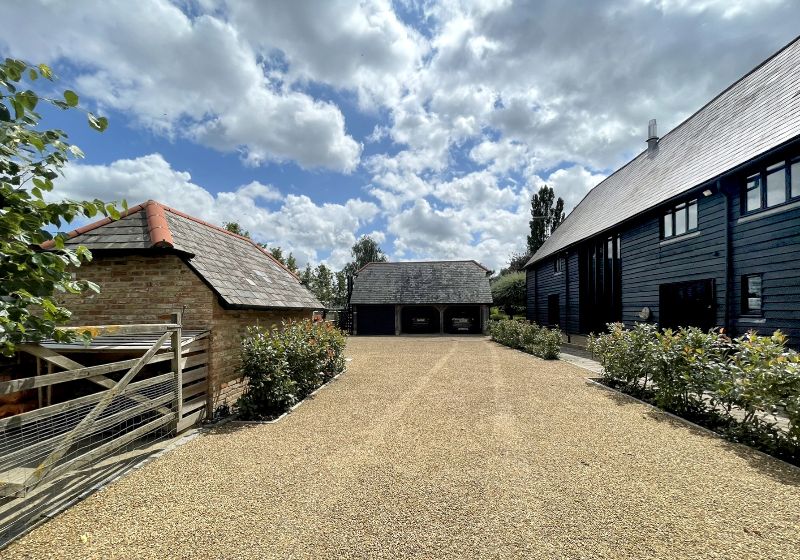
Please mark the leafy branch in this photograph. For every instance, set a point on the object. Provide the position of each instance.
(30, 160)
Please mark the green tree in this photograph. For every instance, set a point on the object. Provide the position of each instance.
(323, 285)
(307, 276)
(234, 227)
(546, 215)
(291, 263)
(365, 250)
(516, 263)
(508, 292)
(340, 298)
(277, 252)
(30, 159)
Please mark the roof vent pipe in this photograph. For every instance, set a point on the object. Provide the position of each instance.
(652, 136)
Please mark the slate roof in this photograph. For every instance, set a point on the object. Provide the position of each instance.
(422, 283)
(239, 271)
(759, 112)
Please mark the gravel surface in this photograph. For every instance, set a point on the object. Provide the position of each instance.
(444, 448)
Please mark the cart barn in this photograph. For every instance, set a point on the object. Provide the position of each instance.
(156, 261)
(444, 297)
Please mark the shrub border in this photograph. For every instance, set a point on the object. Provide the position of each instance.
(237, 422)
(594, 381)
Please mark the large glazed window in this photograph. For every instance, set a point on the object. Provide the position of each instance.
(772, 186)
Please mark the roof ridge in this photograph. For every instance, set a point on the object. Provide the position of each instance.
(435, 261)
(158, 228)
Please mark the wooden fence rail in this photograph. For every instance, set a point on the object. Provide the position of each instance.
(173, 400)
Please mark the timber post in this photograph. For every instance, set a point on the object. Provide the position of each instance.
(177, 367)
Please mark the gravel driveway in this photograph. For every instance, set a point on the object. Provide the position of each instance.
(444, 448)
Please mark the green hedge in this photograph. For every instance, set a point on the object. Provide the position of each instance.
(528, 337)
(283, 365)
(738, 384)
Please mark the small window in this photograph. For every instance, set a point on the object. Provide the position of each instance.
(559, 265)
(776, 185)
(692, 211)
(680, 219)
(794, 174)
(751, 294)
(753, 193)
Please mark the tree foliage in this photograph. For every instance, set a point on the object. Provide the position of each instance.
(30, 160)
(328, 287)
(234, 227)
(546, 215)
(508, 292)
(516, 263)
(364, 251)
(331, 287)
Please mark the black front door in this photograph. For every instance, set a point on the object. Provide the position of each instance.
(553, 310)
(687, 304)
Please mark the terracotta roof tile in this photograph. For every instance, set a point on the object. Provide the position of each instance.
(241, 272)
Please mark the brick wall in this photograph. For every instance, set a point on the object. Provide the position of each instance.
(141, 289)
(229, 326)
(148, 289)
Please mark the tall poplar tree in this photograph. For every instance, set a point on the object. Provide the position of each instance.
(546, 215)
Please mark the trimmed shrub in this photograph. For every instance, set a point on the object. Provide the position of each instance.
(284, 365)
(627, 356)
(736, 386)
(528, 337)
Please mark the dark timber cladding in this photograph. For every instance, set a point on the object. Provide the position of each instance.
(701, 229)
(435, 297)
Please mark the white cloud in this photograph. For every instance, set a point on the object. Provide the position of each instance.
(361, 46)
(478, 106)
(297, 224)
(192, 78)
(571, 184)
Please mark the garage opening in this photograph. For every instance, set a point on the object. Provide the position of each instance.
(462, 319)
(419, 319)
(687, 304)
(375, 319)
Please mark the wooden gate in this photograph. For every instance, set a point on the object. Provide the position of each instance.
(42, 444)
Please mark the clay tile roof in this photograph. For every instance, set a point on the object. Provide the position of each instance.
(426, 282)
(242, 273)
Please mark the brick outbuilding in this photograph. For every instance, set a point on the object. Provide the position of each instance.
(156, 260)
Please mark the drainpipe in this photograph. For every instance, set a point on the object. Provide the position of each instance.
(729, 281)
(566, 297)
(535, 295)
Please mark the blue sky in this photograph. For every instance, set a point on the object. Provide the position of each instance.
(425, 124)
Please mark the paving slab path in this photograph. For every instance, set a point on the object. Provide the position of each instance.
(444, 447)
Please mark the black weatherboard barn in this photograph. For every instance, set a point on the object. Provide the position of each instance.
(421, 298)
(702, 228)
